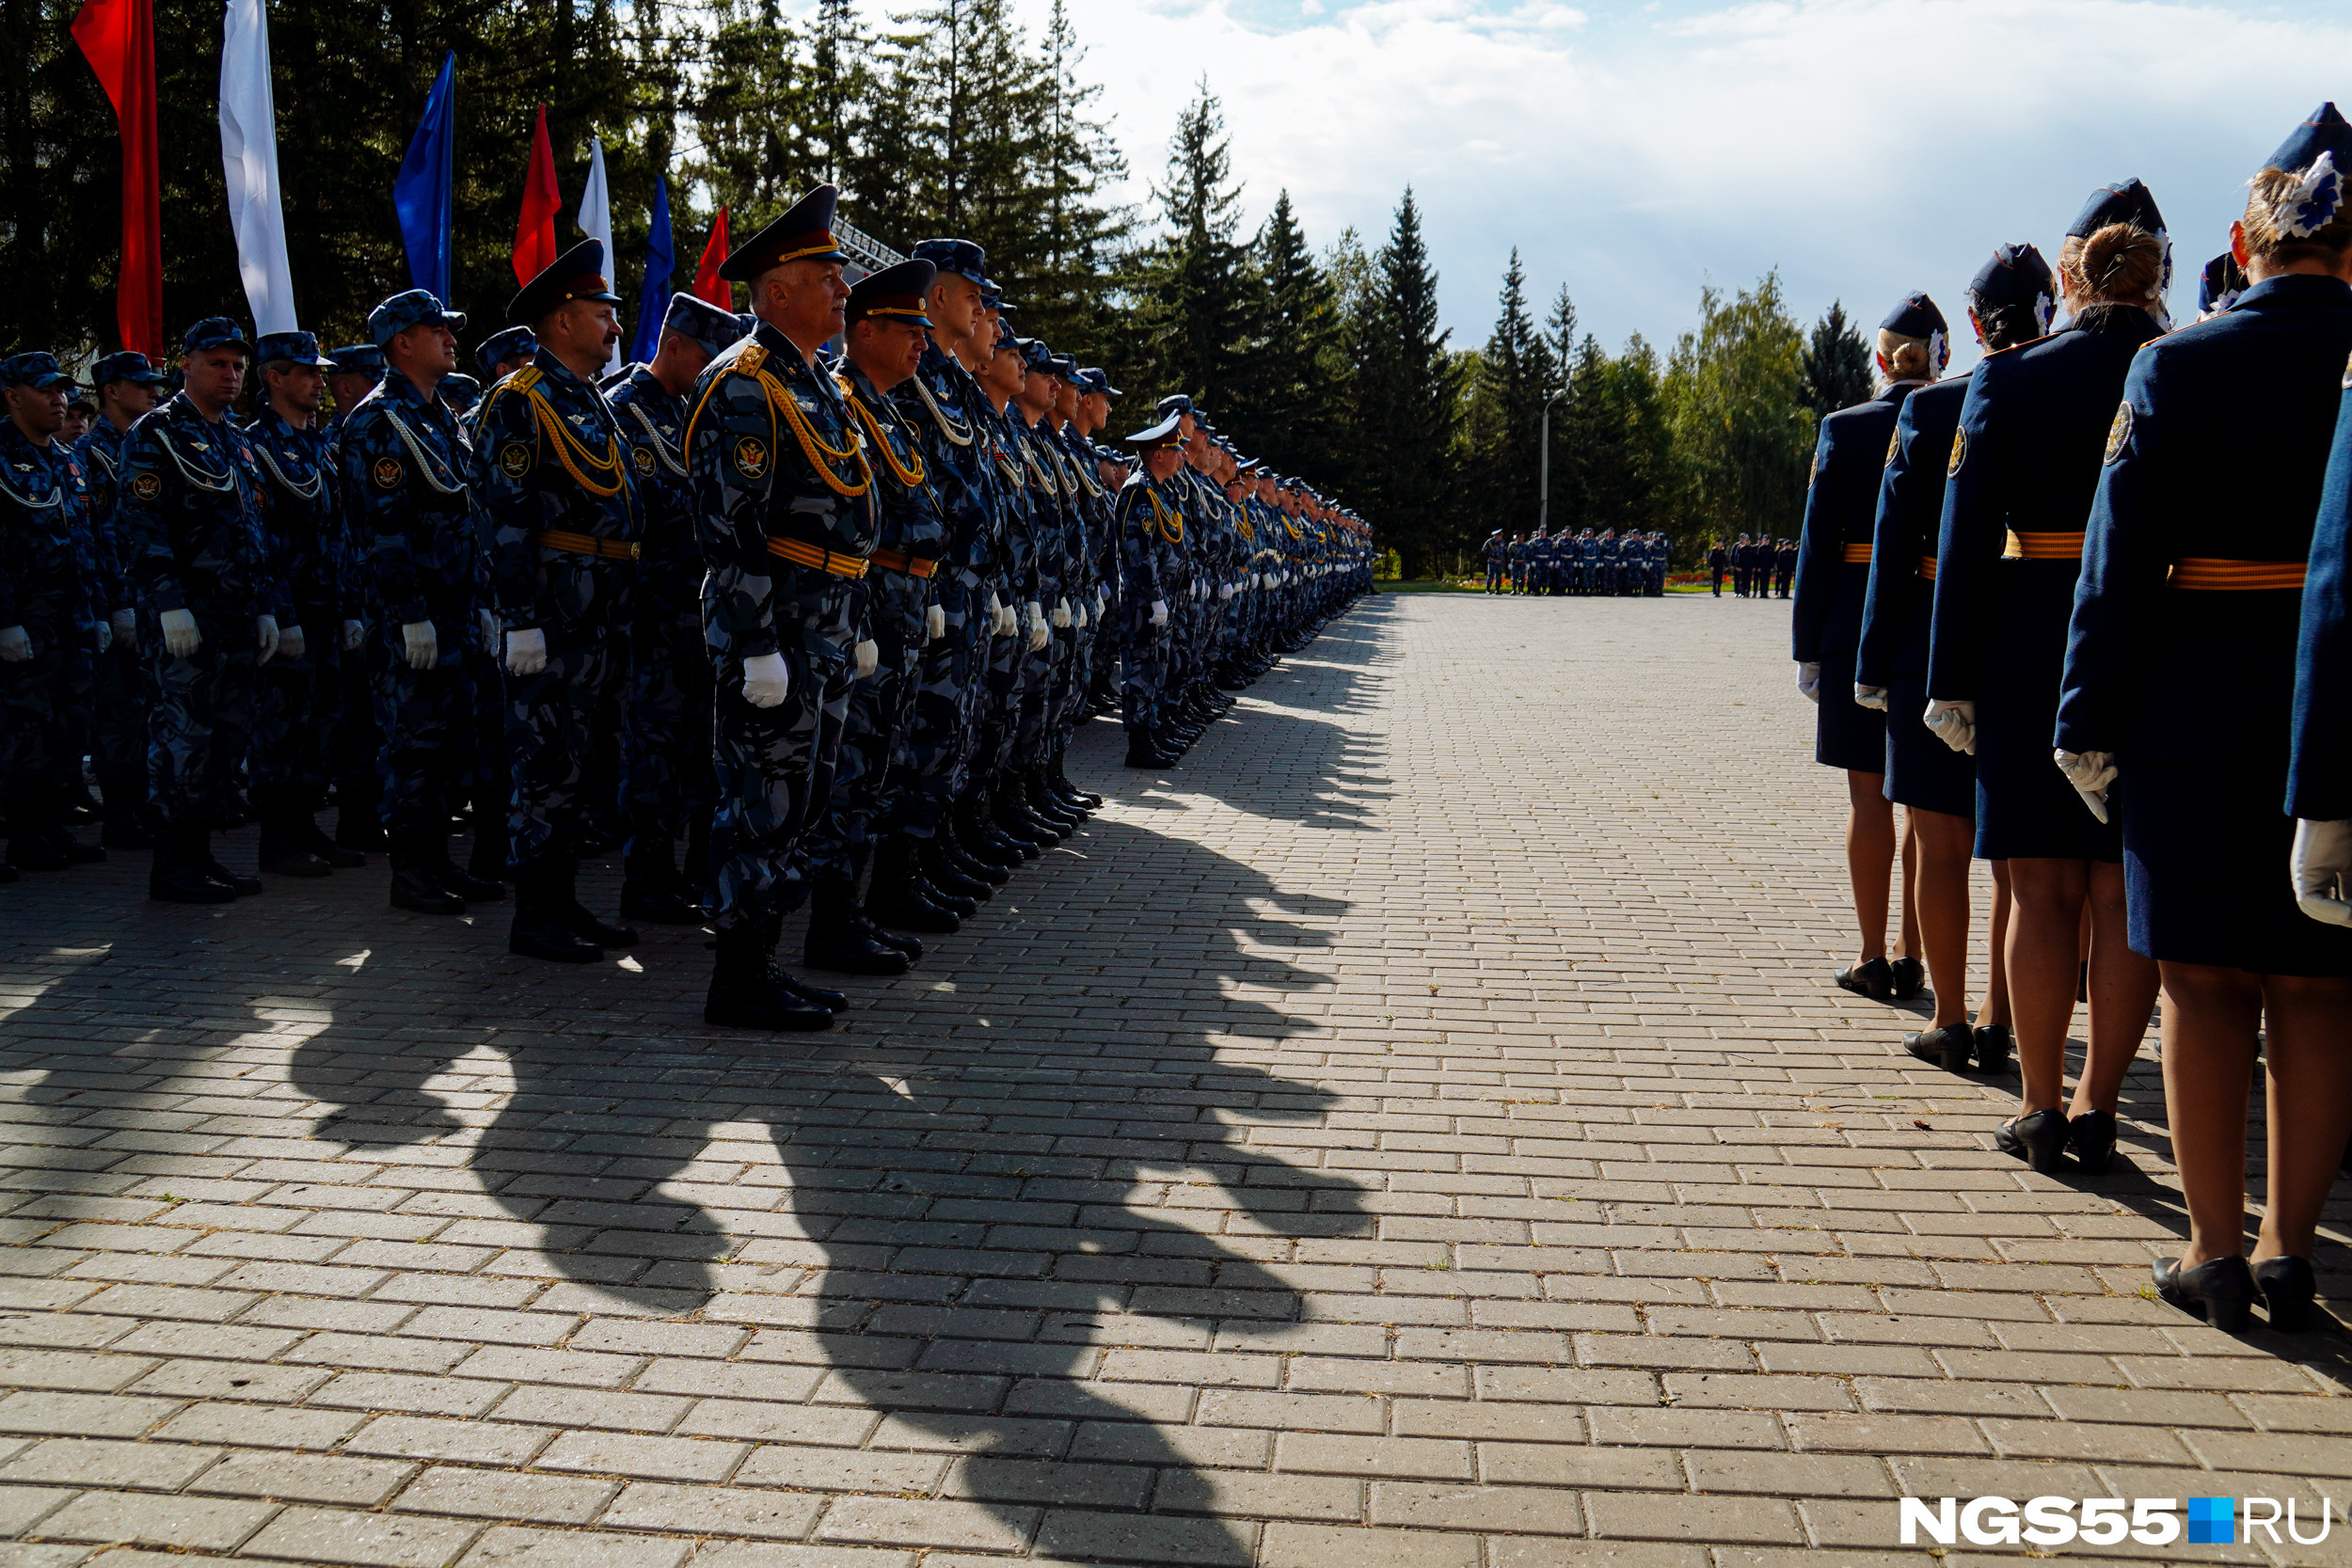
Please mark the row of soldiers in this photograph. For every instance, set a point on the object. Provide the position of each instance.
(1608, 563)
(819, 619)
(1761, 567)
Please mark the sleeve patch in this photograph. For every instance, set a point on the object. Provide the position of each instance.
(2120, 433)
(514, 460)
(751, 457)
(1960, 454)
(387, 472)
(1894, 446)
(148, 486)
(642, 457)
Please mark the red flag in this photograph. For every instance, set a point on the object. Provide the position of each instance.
(118, 37)
(708, 286)
(534, 237)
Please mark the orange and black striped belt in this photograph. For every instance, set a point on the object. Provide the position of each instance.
(584, 543)
(1858, 554)
(2044, 547)
(1926, 568)
(914, 565)
(2210, 576)
(818, 557)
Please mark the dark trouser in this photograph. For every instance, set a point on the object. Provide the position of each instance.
(429, 720)
(42, 700)
(666, 741)
(553, 720)
(199, 722)
(837, 843)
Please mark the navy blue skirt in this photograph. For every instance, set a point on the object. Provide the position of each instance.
(1921, 771)
(2025, 807)
(1845, 735)
(2206, 870)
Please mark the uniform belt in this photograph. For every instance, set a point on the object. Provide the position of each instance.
(822, 560)
(1926, 568)
(2044, 547)
(914, 565)
(1858, 554)
(584, 543)
(2236, 576)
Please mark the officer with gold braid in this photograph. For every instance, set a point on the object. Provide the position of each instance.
(566, 522)
(782, 493)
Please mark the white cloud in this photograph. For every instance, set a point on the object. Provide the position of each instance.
(1865, 146)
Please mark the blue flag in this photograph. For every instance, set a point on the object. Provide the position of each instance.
(425, 193)
(654, 302)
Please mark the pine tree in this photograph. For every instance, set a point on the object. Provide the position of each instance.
(1837, 364)
(1194, 285)
(1511, 378)
(1406, 398)
(1075, 158)
(1295, 414)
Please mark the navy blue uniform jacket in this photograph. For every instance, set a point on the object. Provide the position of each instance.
(1840, 509)
(1901, 598)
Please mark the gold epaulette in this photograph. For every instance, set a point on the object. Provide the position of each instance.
(525, 379)
(750, 360)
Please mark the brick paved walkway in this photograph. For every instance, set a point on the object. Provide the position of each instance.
(1419, 1132)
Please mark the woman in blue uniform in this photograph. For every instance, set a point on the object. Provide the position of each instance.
(2179, 709)
(1833, 576)
(2023, 466)
(2011, 300)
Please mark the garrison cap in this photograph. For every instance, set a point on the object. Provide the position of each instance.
(1094, 380)
(215, 332)
(36, 369)
(715, 329)
(804, 233)
(2220, 284)
(578, 274)
(129, 365)
(2128, 202)
(291, 348)
(895, 292)
(514, 343)
(2017, 277)
(2317, 151)
(358, 359)
(961, 257)
(1164, 433)
(460, 390)
(1918, 317)
(411, 308)
(2324, 131)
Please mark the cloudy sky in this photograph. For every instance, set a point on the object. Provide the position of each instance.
(1635, 152)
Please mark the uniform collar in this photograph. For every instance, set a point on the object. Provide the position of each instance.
(552, 368)
(2295, 291)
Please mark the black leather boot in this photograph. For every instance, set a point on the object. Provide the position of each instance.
(174, 878)
(201, 855)
(434, 844)
(304, 820)
(936, 860)
(817, 996)
(896, 899)
(968, 849)
(746, 992)
(488, 865)
(541, 927)
(962, 908)
(838, 937)
(652, 891)
(576, 916)
(282, 852)
(125, 789)
(414, 886)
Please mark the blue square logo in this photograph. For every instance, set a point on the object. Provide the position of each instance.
(2212, 1521)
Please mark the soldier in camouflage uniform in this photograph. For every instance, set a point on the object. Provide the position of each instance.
(782, 498)
(665, 773)
(410, 483)
(1153, 574)
(127, 387)
(887, 332)
(1021, 631)
(297, 707)
(561, 499)
(1045, 665)
(53, 623)
(189, 513)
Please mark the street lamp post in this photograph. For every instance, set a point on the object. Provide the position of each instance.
(1543, 512)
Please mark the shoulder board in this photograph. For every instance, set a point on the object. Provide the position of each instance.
(749, 361)
(2014, 347)
(525, 379)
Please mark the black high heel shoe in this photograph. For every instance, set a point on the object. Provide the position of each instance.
(1993, 1045)
(2221, 1290)
(1948, 1047)
(2287, 1286)
(2092, 1136)
(2038, 1138)
(1908, 978)
(1874, 980)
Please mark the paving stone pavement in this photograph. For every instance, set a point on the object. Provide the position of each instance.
(1418, 1132)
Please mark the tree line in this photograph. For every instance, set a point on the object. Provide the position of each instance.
(947, 119)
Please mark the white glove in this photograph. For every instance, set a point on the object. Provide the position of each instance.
(1061, 614)
(489, 624)
(423, 643)
(1040, 633)
(125, 622)
(2321, 857)
(1033, 614)
(291, 642)
(1224, 592)
(355, 633)
(1873, 697)
(180, 638)
(105, 637)
(996, 614)
(1809, 681)
(766, 680)
(526, 651)
(2089, 772)
(1159, 612)
(1953, 723)
(264, 638)
(869, 654)
(1079, 617)
(16, 644)
(934, 623)
(1100, 604)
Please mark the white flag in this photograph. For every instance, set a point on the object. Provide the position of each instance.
(595, 221)
(249, 159)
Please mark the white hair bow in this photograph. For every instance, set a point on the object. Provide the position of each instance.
(2311, 206)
